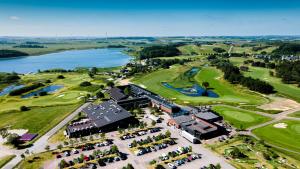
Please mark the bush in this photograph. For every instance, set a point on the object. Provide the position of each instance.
(24, 108)
(43, 93)
(85, 83)
(60, 77)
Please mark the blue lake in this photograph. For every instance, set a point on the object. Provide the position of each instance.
(48, 89)
(9, 89)
(107, 57)
(193, 91)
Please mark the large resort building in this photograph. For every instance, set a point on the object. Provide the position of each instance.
(106, 116)
(113, 114)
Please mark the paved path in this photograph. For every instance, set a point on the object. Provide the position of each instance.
(40, 144)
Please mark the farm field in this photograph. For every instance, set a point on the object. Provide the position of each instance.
(287, 134)
(228, 93)
(240, 118)
(288, 90)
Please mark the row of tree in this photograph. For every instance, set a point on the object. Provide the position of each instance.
(25, 89)
(11, 53)
(9, 78)
(289, 71)
(233, 75)
(159, 51)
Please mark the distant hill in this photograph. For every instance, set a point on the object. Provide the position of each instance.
(11, 53)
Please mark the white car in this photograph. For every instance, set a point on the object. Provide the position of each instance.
(172, 166)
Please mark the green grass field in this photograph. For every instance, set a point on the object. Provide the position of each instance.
(37, 119)
(5, 159)
(240, 118)
(228, 93)
(291, 91)
(283, 137)
(46, 111)
(296, 114)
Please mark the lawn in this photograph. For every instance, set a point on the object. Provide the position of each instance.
(5, 159)
(228, 93)
(254, 153)
(240, 118)
(36, 161)
(283, 137)
(296, 114)
(291, 91)
(38, 119)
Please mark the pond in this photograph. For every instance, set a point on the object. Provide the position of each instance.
(10, 88)
(108, 57)
(48, 89)
(193, 91)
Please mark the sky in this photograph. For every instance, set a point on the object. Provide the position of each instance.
(149, 17)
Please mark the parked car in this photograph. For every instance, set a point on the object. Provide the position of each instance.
(58, 156)
(172, 166)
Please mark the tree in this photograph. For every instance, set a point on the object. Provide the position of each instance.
(114, 149)
(24, 108)
(129, 166)
(168, 133)
(59, 146)
(102, 135)
(60, 77)
(47, 148)
(100, 95)
(13, 139)
(127, 91)
(22, 156)
(94, 70)
(205, 85)
(153, 123)
(110, 84)
(85, 83)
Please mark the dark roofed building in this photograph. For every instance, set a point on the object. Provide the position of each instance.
(106, 116)
(196, 126)
(209, 116)
(117, 94)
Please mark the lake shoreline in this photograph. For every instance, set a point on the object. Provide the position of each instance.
(72, 58)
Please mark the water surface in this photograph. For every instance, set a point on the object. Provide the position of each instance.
(48, 89)
(107, 57)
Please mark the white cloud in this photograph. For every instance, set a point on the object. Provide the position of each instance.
(14, 18)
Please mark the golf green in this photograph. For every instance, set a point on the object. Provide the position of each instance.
(240, 118)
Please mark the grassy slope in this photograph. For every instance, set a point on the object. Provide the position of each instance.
(288, 90)
(36, 161)
(240, 118)
(285, 137)
(228, 93)
(5, 160)
(38, 119)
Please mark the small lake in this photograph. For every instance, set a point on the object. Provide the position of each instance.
(48, 89)
(107, 57)
(10, 88)
(193, 91)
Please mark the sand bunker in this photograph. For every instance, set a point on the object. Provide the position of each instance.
(62, 95)
(124, 82)
(281, 104)
(280, 125)
(78, 98)
(143, 86)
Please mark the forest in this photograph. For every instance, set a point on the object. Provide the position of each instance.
(159, 51)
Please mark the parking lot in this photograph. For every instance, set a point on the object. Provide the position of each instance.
(142, 161)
